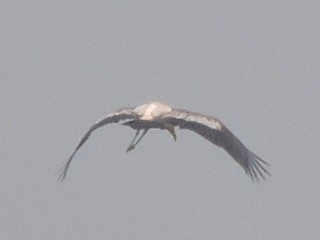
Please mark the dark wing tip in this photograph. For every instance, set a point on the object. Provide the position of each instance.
(62, 173)
(253, 165)
(255, 168)
(121, 114)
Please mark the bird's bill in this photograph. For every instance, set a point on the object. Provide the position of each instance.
(171, 130)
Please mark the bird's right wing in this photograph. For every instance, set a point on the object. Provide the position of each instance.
(214, 131)
(121, 114)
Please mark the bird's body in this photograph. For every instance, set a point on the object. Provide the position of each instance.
(152, 111)
(162, 116)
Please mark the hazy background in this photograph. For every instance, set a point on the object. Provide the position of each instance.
(65, 64)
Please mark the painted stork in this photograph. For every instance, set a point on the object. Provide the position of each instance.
(164, 117)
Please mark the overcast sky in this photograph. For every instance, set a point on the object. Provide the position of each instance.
(252, 64)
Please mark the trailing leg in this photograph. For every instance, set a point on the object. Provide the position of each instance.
(134, 144)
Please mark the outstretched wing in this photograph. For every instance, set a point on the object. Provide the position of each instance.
(215, 132)
(121, 114)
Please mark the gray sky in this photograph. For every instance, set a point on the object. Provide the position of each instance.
(65, 64)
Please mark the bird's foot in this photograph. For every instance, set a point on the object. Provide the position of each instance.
(131, 147)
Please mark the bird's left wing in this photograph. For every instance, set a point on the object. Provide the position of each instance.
(121, 114)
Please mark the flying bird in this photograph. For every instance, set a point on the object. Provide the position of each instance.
(162, 116)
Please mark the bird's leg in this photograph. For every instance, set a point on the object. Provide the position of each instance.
(142, 135)
(131, 146)
(134, 144)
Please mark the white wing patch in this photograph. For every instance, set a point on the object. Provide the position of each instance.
(212, 123)
(127, 110)
(208, 121)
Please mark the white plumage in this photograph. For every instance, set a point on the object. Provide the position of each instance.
(164, 117)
